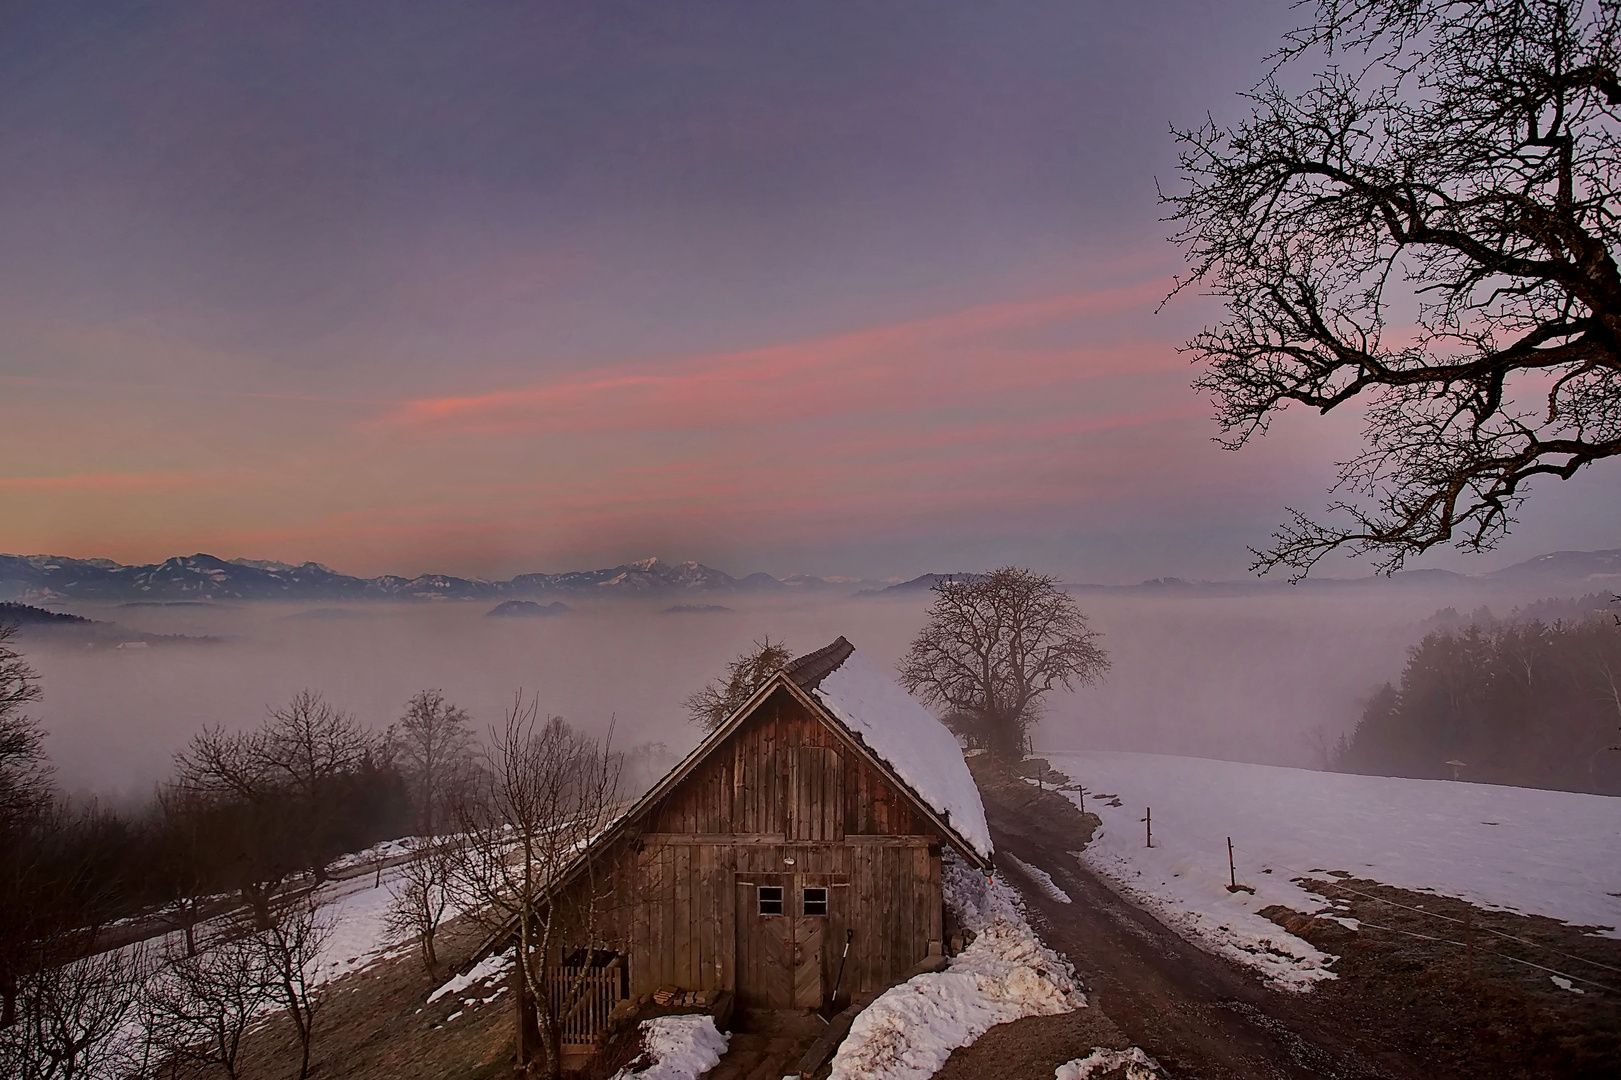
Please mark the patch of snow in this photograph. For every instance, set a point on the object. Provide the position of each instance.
(1102, 1060)
(483, 971)
(356, 910)
(1566, 984)
(388, 849)
(1005, 975)
(1040, 877)
(1549, 853)
(916, 745)
(680, 1048)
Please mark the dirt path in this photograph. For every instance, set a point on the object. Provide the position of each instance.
(767, 1046)
(1199, 1015)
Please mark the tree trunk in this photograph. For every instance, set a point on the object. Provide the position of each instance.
(1006, 739)
(550, 1031)
(518, 987)
(189, 911)
(301, 1024)
(257, 897)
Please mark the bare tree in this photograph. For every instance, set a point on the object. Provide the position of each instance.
(994, 647)
(1426, 232)
(40, 880)
(548, 791)
(72, 1017)
(312, 749)
(26, 911)
(287, 952)
(188, 853)
(24, 769)
(422, 897)
(436, 746)
(278, 793)
(223, 774)
(198, 1009)
(709, 707)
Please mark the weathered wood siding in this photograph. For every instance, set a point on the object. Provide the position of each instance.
(782, 801)
(784, 773)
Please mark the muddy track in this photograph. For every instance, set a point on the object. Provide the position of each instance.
(1201, 1016)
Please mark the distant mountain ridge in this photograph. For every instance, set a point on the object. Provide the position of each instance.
(201, 577)
(1582, 571)
(205, 578)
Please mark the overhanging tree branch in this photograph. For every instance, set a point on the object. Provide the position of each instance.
(1472, 159)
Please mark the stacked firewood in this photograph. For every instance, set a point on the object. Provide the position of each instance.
(667, 996)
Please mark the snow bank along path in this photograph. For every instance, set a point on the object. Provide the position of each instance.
(1006, 974)
(680, 1048)
(1549, 853)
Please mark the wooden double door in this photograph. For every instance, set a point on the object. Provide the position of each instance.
(785, 958)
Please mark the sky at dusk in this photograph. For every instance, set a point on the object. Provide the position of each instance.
(485, 288)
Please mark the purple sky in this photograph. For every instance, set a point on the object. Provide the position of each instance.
(842, 288)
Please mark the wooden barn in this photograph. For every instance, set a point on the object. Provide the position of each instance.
(813, 818)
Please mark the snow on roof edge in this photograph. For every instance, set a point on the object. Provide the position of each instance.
(914, 744)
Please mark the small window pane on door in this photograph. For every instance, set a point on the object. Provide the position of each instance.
(770, 899)
(815, 901)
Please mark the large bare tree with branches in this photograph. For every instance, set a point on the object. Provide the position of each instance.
(435, 744)
(1419, 219)
(277, 793)
(994, 647)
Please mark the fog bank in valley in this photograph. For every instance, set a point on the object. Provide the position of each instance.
(1252, 677)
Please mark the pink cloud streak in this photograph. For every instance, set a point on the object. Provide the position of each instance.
(932, 360)
(111, 481)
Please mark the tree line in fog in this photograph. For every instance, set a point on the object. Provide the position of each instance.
(1533, 701)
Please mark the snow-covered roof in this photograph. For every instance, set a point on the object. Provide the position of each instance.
(915, 745)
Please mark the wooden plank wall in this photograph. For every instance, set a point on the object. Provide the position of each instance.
(783, 787)
(784, 773)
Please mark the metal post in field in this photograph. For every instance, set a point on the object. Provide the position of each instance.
(1232, 868)
(1148, 821)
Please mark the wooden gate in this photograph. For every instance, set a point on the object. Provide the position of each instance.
(583, 995)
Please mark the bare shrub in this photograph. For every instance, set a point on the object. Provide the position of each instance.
(422, 898)
(197, 1010)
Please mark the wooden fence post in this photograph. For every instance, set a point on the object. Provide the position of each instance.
(1148, 820)
(1232, 868)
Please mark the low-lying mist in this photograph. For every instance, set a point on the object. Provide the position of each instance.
(1256, 677)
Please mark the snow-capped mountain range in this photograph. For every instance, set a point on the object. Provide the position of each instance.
(43, 578)
(47, 578)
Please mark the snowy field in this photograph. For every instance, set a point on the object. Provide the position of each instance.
(1548, 853)
(356, 910)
